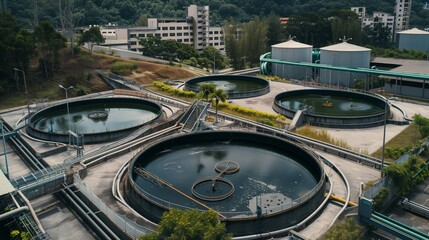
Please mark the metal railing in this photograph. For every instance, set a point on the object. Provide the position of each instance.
(129, 227)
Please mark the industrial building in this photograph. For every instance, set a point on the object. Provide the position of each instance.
(343, 55)
(402, 86)
(194, 29)
(292, 51)
(413, 39)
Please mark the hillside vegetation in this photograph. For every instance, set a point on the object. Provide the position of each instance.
(127, 12)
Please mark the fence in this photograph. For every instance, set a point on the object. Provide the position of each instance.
(384, 182)
(129, 227)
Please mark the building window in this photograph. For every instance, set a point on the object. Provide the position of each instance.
(216, 44)
(210, 38)
(172, 34)
(142, 35)
(150, 34)
(216, 32)
(185, 34)
(179, 34)
(133, 43)
(172, 28)
(179, 40)
(210, 44)
(132, 35)
(164, 28)
(185, 28)
(158, 34)
(179, 28)
(216, 38)
(186, 40)
(165, 34)
(211, 32)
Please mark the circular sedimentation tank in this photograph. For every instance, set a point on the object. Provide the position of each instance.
(255, 182)
(333, 108)
(236, 86)
(98, 119)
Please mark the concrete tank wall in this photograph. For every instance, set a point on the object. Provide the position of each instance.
(352, 59)
(292, 55)
(418, 42)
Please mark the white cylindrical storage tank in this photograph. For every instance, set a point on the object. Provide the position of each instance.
(413, 39)
(292, 51)
(343, 55)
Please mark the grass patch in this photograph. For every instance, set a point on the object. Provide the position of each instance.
(410, 136)
(323, 135)
(123, 68)
(275, 120)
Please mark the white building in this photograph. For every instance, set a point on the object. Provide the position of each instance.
(194, 29)
(385, 19)
(402, 14)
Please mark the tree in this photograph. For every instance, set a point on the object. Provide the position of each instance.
(189, 224)
(275, 30)
(69, 18)
(310, 28)
(345, 23)
(232, 45)
(215, 57)
(16, 47)
(92, 36)
(206, 90)
(49, 42)
(150, 45)
(422, 123)
(142, 20)
(219, 96)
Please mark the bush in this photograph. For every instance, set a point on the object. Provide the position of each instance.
(347, 230)
(250, 112)
(379, 199)
(174, 91)
(123, 68)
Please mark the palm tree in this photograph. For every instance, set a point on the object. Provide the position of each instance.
(220, 96)
(206, 90)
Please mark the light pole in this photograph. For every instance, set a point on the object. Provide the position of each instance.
(67, 103)
(4, 149)
(25, 88)
(384, 137)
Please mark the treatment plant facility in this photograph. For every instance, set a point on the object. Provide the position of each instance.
(108, 165)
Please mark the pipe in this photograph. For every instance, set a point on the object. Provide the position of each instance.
(13, 212)
(35, 218)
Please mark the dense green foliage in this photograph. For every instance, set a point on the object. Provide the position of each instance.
(405, 175)
(126, 12)
(92, 36)
(123, 68)
(170, 49)
(347, 230)
(422, 123)
(174, 91)
(18, 46)
(380, 198)
(189, 224)
(397, 53)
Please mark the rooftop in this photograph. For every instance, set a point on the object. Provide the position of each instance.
(291, 44)
(346, 47)
(413, 31)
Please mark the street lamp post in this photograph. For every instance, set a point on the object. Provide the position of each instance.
(25, 88)
(384, 137)
(67, 103)
(4, 148)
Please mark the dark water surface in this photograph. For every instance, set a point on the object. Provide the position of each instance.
(263, 172)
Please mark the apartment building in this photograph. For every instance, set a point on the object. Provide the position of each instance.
(194, 29)
(402, 14)
(385, 19)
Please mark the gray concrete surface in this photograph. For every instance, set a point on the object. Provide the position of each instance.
(100, 178)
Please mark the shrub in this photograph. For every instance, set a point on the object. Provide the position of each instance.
(123, 68)
(379, 199)
(174, 91)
